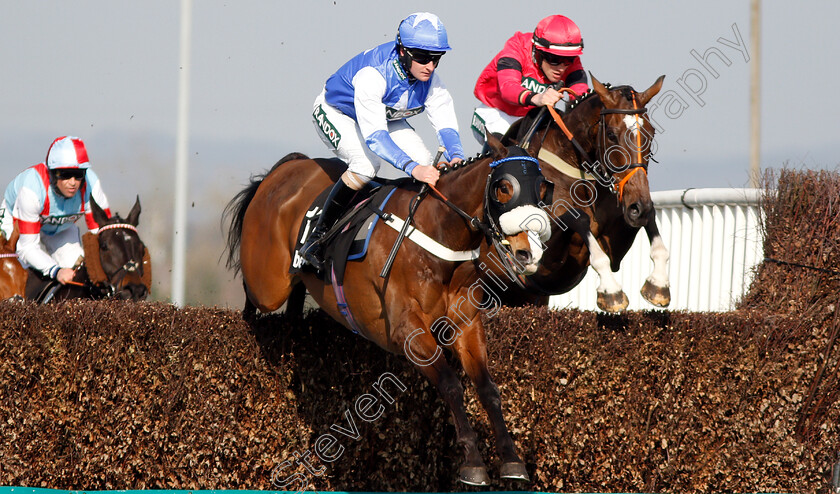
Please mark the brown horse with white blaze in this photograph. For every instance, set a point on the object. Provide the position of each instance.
(597, 155)
(426, 302)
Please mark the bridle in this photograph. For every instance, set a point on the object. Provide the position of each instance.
(595, 167)
(129, 266)
(637, 163)
(490, 228)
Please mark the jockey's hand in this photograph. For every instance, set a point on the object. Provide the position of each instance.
(456, 161)
(548, 98)
(428, 174)
(64, 275)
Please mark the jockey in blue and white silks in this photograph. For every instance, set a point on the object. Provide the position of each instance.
(361, 115)
(45, 201)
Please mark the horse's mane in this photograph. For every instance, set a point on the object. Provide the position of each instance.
(469, 161)
(517, 151)
(625, 90)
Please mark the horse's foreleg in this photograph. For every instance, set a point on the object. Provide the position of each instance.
(469, 344)
(422, 350)
(656, 289)
(611, 296)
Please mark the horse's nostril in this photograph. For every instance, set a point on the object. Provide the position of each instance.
(635, 210)
(523, 256)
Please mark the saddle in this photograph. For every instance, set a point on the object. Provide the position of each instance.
(348, 240)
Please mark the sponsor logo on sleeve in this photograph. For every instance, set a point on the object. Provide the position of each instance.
(478, 124)
(533, 85)
(326, 126)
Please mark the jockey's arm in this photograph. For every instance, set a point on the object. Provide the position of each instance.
(509, 76)
(27, 210)
(370, 115)
(576, 80)
(441, 110)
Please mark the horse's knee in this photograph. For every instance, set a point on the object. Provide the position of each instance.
(450, 388)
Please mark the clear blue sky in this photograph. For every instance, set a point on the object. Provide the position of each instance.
(108, 72)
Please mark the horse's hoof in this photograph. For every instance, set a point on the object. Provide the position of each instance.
(514, 470)
(659, 296)
(613, 302)
(474, 476)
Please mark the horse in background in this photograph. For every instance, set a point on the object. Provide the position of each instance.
(429, 300)
(12, 273)
(601, 196)
(116, 264)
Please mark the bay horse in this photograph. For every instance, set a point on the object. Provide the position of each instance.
(425, 302)
(116, 263)
(601, 195)
(12, 273)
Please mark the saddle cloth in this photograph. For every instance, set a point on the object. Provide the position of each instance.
(351, 243)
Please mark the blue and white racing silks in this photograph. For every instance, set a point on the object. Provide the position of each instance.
(372, 88)
(38, 209)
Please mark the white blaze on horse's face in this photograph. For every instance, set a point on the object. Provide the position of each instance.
(535, 222)
(633, 123)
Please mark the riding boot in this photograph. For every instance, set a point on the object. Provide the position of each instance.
(335, 205)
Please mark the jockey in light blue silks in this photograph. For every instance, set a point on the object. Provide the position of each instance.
(45, 200)
(361, 115)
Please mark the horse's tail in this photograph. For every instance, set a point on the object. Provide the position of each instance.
(236, 208)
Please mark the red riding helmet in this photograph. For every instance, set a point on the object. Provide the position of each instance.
(557, 34)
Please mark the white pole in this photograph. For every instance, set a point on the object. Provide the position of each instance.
(755, 93)
(179, 234)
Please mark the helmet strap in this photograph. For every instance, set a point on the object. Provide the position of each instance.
(405, 61)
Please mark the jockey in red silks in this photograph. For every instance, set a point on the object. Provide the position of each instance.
(521, 75)
(46, 200)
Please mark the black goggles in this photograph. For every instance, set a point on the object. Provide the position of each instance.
(68, 173)
(424, 56)
(552, 59)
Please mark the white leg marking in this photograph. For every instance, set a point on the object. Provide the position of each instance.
(659, 255)
(601, 263)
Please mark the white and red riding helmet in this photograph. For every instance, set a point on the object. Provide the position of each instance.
(557, 34)
(67, 152)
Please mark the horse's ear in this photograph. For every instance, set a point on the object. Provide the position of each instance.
(602, 91)
(651, 91)
(534, 147)
(496, 147)
(99, 215)
(134, 214)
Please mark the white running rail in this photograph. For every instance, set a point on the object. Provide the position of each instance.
(714, 240)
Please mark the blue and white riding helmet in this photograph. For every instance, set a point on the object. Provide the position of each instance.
(423, 31)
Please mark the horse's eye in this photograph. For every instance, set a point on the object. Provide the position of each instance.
(103, 246)
(504, 191)
(611, 135)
